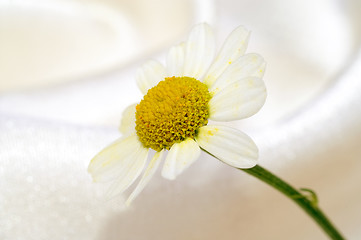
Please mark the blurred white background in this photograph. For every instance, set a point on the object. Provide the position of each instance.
(67, 71)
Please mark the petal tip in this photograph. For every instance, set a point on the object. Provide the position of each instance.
(168, 176)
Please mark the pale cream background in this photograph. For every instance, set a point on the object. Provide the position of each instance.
(67, 72)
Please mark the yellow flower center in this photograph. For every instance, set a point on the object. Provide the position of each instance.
(171, 112)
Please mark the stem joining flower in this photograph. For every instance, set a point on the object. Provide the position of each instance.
(174, 113)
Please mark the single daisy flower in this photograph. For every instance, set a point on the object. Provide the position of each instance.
(195, 86)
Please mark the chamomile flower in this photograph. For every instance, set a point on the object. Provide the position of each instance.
(195, 86)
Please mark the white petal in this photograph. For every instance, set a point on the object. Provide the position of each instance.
(238, 100)
(127, 124)
(234, 47)
(149, 75)
(249, 65)
(114, 159)
(199, 51)
(229, 145)
(129, 174)
(148, 174)
(180, 157)
(175, 61)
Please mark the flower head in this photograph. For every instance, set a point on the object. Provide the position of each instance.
(179, 99)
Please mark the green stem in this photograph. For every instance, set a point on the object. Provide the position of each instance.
(307, 204)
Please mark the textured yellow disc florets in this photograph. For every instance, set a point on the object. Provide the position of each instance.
(171, 112)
